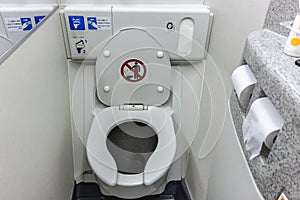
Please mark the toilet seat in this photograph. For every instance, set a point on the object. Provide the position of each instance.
(104, 165)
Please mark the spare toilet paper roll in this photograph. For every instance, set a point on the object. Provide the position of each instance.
(261, 125)
(243, 82)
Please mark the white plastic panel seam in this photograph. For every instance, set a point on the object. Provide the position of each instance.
(65, 32)
(209, 30)
(5, 43)
(3, 31)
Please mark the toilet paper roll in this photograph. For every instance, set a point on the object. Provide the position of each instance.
(261, 125)
(243, 82)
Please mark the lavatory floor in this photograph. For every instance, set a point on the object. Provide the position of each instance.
(176, 190)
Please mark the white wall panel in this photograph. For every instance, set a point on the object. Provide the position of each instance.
(206, 178)
(35, 144)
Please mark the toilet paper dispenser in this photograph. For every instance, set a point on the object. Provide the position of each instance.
(261, 125)
(243, 82)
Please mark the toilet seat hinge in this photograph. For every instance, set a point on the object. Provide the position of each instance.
(133, 107)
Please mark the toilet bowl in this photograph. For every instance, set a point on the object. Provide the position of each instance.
(132, 141)
(103, 163)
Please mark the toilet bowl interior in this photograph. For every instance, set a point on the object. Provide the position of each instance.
(131, 144)
(147, 136)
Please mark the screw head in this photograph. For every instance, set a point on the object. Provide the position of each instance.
(106, 88)
(160, 89)
(160, 54)
(106, 53)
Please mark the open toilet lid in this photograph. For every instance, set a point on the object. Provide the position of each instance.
(104, 165)
(133, 72)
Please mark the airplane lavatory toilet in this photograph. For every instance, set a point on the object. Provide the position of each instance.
(126, 91)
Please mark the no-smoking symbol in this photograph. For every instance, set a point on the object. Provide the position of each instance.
(133, 70)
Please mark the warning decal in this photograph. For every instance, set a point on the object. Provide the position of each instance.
(26, 24)
(13, 24)
(133, 70)
(18, 24)
(99, 23)
(76, 22)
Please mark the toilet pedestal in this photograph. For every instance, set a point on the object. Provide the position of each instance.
(175, 190)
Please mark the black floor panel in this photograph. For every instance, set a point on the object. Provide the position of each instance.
(175, 190)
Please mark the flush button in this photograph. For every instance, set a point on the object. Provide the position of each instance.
(185, 39)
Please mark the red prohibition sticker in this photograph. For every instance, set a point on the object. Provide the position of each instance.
(133, 70)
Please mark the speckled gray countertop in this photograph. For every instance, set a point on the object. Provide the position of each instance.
(280, 11)
(278, 170)
(276, 72)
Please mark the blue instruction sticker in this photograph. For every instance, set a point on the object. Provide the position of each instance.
(26, 23)
(76, 22)
(38, 19)
(92, 23)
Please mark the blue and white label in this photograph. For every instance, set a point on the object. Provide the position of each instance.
(76, 22)
(104, 23)
(38, 19)
(26, 23)
(13, 24)
(99, 23)
(92, 23)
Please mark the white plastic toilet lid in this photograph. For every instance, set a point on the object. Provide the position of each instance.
(104, 165)
(153, 71)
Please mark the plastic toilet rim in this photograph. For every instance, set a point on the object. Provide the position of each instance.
(104, 165)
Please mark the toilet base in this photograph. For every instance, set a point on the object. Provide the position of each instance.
(175, 190)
